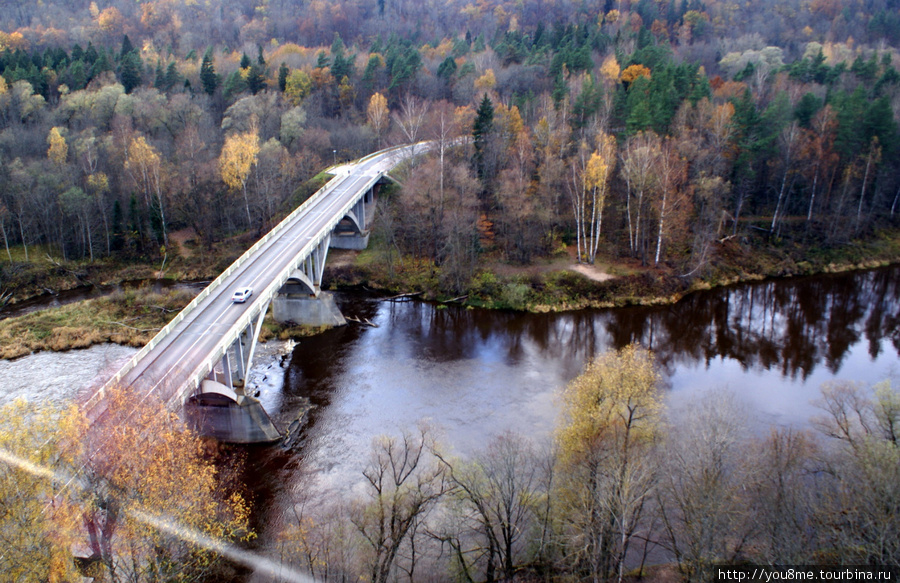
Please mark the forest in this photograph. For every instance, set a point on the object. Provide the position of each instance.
(672, 135)
(662, 133)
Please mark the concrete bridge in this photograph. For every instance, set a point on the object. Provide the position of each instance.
(202, 357)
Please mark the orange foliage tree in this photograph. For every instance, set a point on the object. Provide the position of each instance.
(145, 468)
(632, 72)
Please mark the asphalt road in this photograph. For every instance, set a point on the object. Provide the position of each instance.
(167, 369)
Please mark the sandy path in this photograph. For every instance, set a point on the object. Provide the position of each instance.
(591, 272)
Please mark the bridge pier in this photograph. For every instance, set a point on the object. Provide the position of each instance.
(301, 299)
(353, 231)
(307, 310)
(221, 409)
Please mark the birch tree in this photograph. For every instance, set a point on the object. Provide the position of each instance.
(590, 186)
(671, 198)
(639, 167)
(144, 164)
(612, 424)
(403, 484)
(238, 157)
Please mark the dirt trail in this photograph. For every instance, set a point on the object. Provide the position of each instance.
(591, 272)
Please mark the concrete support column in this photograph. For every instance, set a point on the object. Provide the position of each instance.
(318, 310)
(226, 370)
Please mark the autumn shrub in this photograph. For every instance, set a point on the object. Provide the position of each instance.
(514, 296)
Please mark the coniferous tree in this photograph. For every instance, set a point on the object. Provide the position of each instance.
(159, 80)
(173, 78)
(127, 47)
(283, 73)
(484, 123)
(208, 77)
(130, 71)
(256, 78)
(101, 63)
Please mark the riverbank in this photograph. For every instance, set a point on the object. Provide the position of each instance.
(129, 317)
(559, 284)
(556, 284)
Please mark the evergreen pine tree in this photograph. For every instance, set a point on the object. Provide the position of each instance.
(484, 123)
(77, 77)
(173, 78)
(127, 47)
(447, 68)
(283, 73)
(130, 71)
(90, 54)
(256, 78)
(208, 77)
(322, 60)
(101, 63)
(159, 80)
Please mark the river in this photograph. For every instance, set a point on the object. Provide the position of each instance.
(473, 373)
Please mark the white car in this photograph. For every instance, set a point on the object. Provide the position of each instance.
(240, 295)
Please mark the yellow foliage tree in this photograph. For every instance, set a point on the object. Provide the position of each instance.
(144, 164)
(632, 72)
(508, 123)
(13, 41)
(486, 82)
(110, 20)
(38, 525)
(145, 468)
(238, 157)
(611, 69)
(59, 149)
(611, 422)
(378, 114)
(590, 184)
(297, 86)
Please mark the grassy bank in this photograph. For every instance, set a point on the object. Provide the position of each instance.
(130, 317)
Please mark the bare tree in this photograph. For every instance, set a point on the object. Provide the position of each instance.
(861, 509)
(411, 117)
(403, 485)
(498, 488)
(699, 499)
(784, 490)
(639, 165)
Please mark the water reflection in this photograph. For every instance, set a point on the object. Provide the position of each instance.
(479, 372)
(789, 326)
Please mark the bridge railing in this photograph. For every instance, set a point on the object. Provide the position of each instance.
(214, 285)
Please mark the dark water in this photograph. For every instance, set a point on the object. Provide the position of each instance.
(473, 373)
